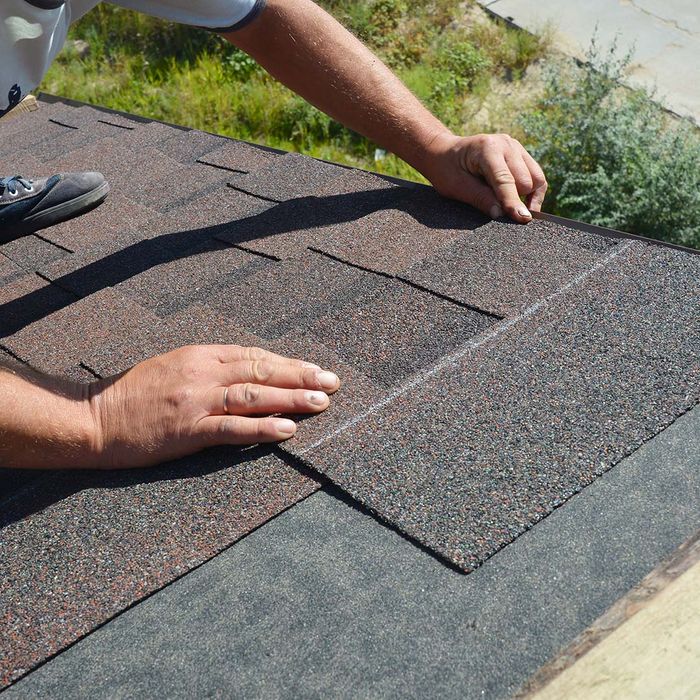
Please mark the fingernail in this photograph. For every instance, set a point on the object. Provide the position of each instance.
(327, 380)
(524, 212)
(317, 398)
(310, 365)
(496, 212)
(285, 426)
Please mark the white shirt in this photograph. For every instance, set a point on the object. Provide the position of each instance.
(32, 32)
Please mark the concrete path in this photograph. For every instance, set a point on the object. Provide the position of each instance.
(664, 33)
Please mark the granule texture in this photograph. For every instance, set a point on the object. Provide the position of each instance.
(96, 542)
(238, 157)
(504, 267)
(509, 427)
(59, 340)
(27, 298)
(195, 325)
(116, 214)
(291, 294)
(188, 146)
(32, 252)
(397, 330)
(488, 370)
(288, 177)
(191, 276)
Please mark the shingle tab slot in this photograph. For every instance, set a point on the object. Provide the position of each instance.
(504, 268)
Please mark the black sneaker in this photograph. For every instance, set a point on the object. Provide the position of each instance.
(27, 205)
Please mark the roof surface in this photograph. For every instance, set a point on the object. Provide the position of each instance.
(491, 371)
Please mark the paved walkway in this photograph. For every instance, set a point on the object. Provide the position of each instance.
(665, 34)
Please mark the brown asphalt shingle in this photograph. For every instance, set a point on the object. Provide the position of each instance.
(503, 268)
(489, 370)
(238, 157)
(96, 542)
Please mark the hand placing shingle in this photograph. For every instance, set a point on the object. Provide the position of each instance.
(163, 408)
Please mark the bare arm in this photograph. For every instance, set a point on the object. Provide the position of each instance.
(310, 52)
(166, 407)
(44, 422)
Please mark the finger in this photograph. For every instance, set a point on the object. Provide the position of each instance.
(239, 430)
(539, 181)
(257, 400)
(279, 374)
(479, 195)
(238, 353)
(494, 168)
(520, 171)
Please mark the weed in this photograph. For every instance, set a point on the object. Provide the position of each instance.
(612, 156)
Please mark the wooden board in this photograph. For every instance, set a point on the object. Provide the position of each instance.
(28, 104)
(646, 646)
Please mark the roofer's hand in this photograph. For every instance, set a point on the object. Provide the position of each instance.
(200, 396)
(489, 171)
(310, 52)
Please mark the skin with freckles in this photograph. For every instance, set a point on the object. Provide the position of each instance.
(195, 397)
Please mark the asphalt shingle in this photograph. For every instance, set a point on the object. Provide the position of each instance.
(356, 393)
(110, 539)
(495, 437)
(238, 157)
(188, 146)
(71, 139)
(58, 341)
(161, 183)
(9, 270)
(25, 164)
(288, 177)
(32, 252)
(115, 259)
(219, 210)
(457, 426)
(115, 215)
(193, 276)
(504, 267)
(289, 295)
(34, 139)
(397, 330)
(387, 241)
(195, 325)
(27, 298)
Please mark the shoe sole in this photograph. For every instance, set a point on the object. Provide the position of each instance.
(62, 212)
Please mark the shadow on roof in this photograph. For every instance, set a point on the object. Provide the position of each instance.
(29, 491)
(303, 213)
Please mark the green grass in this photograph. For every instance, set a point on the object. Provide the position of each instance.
(612, 156)
(191, 77)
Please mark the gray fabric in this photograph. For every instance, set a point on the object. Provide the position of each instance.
(61, 188)
(71, 186)
(37, 186)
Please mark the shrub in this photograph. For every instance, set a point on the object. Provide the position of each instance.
(612, 156)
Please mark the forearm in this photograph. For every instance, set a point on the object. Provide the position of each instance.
(44, 422)
(310, 52)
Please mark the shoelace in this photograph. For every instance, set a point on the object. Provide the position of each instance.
(10, 184)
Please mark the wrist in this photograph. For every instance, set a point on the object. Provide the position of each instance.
(78, 438)
(435, 152)
(46, 422)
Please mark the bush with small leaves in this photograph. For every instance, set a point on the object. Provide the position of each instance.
(612, 156)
